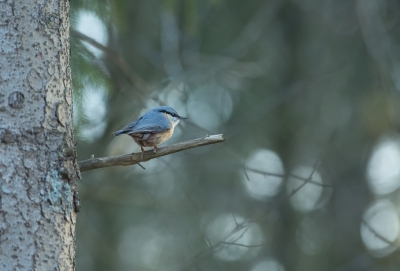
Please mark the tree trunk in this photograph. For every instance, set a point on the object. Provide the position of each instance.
(38, 171)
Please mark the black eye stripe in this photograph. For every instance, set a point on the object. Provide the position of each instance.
(170, 113)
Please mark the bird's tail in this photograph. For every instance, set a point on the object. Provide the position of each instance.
(119, 132)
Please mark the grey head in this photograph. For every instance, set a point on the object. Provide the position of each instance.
(171, 113)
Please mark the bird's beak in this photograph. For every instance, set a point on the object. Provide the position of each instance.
(183, 118)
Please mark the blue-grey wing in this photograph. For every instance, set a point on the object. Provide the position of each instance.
(128, 128)
(151, 122)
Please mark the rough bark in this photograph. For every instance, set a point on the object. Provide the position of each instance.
(38, 169)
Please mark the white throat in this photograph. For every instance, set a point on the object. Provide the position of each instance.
(174, 120)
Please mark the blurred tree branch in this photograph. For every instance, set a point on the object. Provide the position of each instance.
(198, 257)
(294, 176)
(135, 158)
(378, 235)
(241, 245)
(119, 62)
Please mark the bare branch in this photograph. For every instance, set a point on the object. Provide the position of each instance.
(135, 158)
(378, 235)
(317, 163)
(234, 219)
(212, 249)
(294, 176)
(241, 245)
(308, 180)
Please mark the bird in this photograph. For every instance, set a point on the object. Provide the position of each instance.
(153, 128)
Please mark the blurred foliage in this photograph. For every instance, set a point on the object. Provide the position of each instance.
(99, 7)
(306, 93)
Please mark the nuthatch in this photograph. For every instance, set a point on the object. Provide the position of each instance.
(153, 128)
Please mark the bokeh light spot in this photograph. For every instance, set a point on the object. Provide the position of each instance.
(268, 265)
(383, 170)
(262, 186)
(380, 227)
(209, 106)
(222, 229)
(94, 109)
(304, 197)
(90, 25)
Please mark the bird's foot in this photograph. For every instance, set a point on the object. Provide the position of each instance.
(141, 157)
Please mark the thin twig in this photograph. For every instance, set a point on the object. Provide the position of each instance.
(135, 158)
(211, 249)
(308, 180)
(317, 163)
(378, 235)
(241, 245)
(294, 176)
(234, 219)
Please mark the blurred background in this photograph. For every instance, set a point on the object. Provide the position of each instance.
(306, 93)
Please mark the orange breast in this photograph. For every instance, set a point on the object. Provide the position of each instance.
(151, 140)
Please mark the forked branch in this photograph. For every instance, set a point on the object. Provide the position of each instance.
(135, 158)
